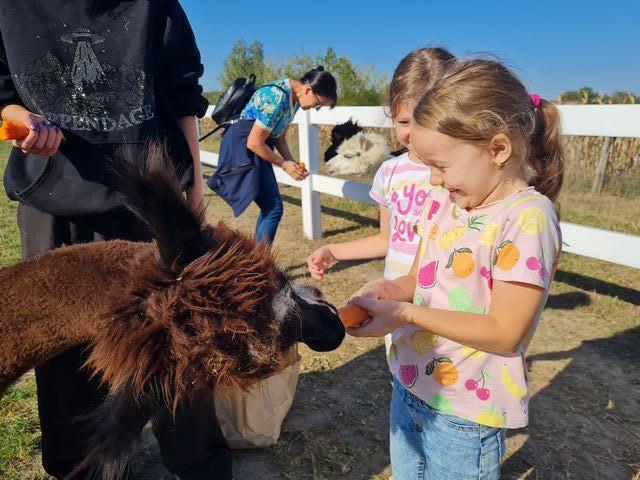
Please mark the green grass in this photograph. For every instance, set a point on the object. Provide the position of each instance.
(9, 235)
(20, 433)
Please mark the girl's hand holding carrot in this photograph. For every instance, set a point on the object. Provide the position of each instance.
(352, 315)
(38, 135)
(384, 316)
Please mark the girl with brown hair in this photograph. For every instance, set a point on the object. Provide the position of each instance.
(401, 184)
(463, 317)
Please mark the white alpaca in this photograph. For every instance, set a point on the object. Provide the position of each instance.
(359, 155)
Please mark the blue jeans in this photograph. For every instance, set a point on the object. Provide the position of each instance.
(428, 444)
(269, 202)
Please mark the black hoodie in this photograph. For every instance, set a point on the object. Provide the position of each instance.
(112, 75)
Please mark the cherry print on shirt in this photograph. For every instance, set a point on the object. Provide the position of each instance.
(482, 393)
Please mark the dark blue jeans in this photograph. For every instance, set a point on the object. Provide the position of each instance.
(269, 202)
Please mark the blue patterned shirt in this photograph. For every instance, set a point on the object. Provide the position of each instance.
(271, 108)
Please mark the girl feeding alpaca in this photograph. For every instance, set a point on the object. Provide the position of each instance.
(462, 319)
(401, 185)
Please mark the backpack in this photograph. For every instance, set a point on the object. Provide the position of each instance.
(233, 100)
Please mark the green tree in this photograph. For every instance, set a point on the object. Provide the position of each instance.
(212, 96)
(242, 61)
(356, 86)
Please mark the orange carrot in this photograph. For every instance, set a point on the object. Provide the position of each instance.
(301, 164)
(352, 315)
(13, 131)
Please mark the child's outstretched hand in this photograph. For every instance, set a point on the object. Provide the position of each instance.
(319, 260)
(43, 138)
(386, 316)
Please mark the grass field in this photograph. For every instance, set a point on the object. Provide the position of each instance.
(584, 365)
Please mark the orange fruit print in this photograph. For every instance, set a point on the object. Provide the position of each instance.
(507, 255)
(443, 370)
(461, 262)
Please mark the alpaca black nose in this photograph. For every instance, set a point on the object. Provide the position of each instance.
(321, 328)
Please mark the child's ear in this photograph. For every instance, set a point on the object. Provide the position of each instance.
(500, 149)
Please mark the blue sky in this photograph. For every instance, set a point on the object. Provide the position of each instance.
(553, 45)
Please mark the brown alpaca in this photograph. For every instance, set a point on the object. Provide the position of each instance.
(201, 306)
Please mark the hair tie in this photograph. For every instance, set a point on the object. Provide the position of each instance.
(535, 98)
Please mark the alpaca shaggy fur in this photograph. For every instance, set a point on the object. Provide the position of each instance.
(359, 155)
(339, 134)
(203, 305)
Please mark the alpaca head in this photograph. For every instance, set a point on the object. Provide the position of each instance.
(359, 155)
(208, 305)
(339, 134)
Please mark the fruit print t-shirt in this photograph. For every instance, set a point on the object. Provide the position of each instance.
(516, 240)
(403, 187)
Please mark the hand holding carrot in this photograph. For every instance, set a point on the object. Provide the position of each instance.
(32, 134)
(352, 315)
(13, 131)
(383, 316)
(294, 170)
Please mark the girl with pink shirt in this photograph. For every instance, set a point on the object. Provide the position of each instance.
(463, 317)
(401, 184)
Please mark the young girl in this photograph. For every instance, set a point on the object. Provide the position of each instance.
(490, 244)
(400, 185)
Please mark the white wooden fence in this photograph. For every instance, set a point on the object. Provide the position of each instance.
(586, 120)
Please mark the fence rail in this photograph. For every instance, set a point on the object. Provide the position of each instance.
(581, 120)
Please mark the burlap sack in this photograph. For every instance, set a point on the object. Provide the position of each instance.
(253, 419)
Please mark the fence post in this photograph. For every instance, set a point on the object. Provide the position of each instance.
(601, 167)
(308, 138)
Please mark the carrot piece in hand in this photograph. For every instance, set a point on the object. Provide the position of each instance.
(302, 165)
(352, 315)
(13, 131)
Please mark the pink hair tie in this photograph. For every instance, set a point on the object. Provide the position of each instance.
(535, 98)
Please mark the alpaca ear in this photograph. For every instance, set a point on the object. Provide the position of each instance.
(365, 143)
(151, 188)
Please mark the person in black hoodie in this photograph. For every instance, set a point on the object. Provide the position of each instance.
(93, 80)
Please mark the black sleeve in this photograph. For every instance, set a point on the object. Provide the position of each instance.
(8, 92)
(179, 65)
